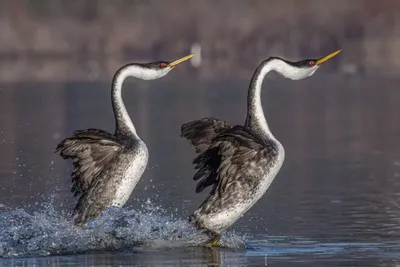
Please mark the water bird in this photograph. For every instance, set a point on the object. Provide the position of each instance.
(107, 166)
(239, 162)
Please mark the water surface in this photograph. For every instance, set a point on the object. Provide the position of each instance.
(334, 203)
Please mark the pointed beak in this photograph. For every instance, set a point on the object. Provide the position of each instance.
(176, 62)
(324, 59)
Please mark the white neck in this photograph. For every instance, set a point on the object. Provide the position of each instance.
(124, 125)
(255, 114)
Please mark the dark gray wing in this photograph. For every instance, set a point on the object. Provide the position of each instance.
(201, 132)
(91, 151)
(234, 155)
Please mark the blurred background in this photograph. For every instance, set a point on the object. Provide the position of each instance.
(85, 40)
(340, 127)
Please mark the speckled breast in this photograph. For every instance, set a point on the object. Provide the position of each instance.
(132, 174)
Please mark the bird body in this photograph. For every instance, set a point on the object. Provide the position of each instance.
(106, 170)
(247, 168)
(239, 162)
(107, 167)
(136, 164)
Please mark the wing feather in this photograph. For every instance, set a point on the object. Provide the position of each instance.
(201, 132)
(233, 157)
(91, 151)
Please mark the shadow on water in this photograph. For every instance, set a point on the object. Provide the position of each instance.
(334, 203)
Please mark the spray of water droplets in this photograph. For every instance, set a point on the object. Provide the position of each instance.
(43, 230)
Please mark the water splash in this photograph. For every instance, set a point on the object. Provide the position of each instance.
(43, 230)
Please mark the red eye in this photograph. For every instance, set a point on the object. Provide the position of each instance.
(163, 65)
(311, 63)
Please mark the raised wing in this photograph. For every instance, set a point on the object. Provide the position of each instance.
(201, 132)
(91, 151)
(234, 156)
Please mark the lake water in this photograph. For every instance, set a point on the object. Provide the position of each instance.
(335, 202)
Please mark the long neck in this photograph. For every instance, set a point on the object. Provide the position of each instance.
(256, 120)
(255, 115)
(123, 123)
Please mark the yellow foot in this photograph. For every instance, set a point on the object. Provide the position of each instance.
(213, 242)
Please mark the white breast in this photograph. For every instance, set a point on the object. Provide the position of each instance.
(271, 174)
(266, 181)
(131, 175)
(220, 221)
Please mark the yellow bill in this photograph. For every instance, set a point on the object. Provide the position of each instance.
(324, 59)
(176, 62)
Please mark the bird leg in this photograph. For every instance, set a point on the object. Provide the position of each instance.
(215, 238)
(213, 242)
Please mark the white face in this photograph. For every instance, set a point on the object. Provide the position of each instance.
(146, 73)
(307, 72)
(291, 72)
